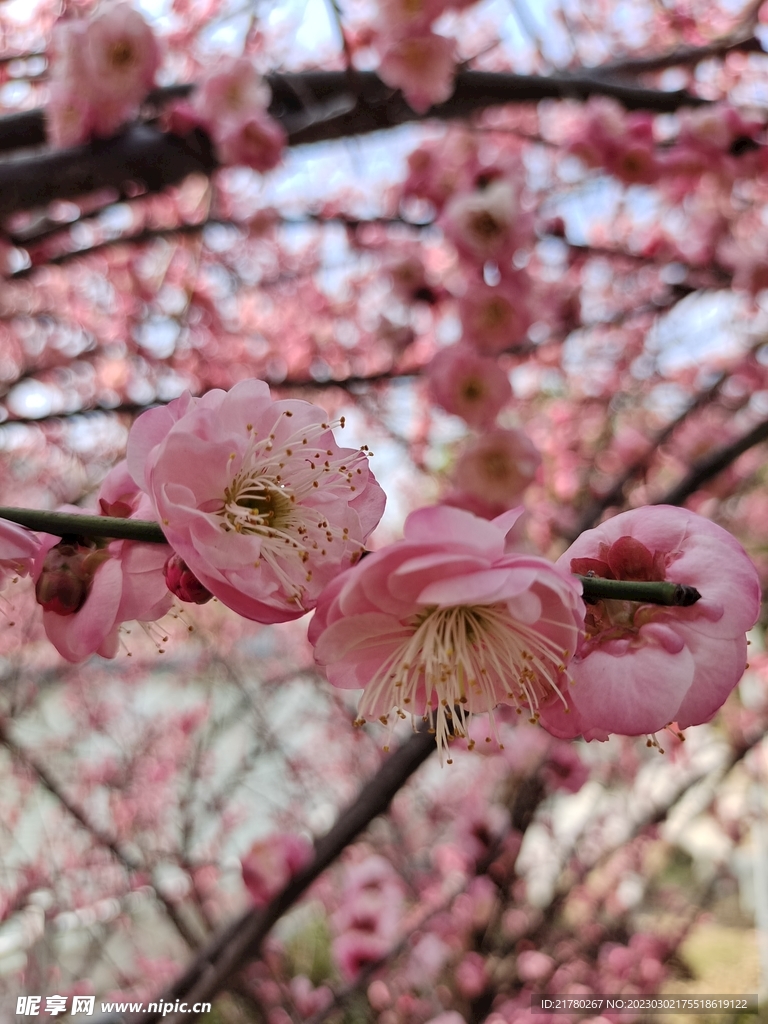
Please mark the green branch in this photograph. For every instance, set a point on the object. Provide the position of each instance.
(675, 594)
(71, 524)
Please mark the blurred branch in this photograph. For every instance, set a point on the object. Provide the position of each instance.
(64, 524)
(614, 496)
(109, 842)
(216, 966)
(146, 157)
(709, 467)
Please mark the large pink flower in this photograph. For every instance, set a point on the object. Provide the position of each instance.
(256, 496)
(644, 666)
(449, 621)
(89, 587)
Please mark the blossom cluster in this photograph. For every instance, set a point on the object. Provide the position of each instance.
(103, 67)
(264, 510)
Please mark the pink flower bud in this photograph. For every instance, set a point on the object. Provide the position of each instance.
(65, 580)
(183, 583)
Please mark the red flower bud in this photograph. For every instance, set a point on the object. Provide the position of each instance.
(65, 580)
(183, 583)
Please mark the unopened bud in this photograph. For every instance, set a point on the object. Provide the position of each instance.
(66, 577)
(183, 583)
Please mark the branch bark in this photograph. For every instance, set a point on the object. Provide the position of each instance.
(714, 464)
(313, 106)
(216, 966)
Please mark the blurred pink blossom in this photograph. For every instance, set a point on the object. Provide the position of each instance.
(101, 70)
(496, 467)
(423, 66)
(272, 862)
(496, 318)
(468, 385)
(481, 223)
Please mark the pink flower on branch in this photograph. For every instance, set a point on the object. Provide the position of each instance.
(272, 862)
(87, 588)
(101, 70)
(494, 470)
(449, 622)
(641, 667)
(468, 385)
(423, 66)
(255, 496)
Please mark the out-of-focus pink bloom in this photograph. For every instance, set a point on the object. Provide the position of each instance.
(18, 548)
(183, 583)
(481, 223)
(533, 965)
(257, 141)
(422, 66)
(231, 94)
(449, 1017)
(101, 70)
(438, 168)
(495, 318)
(356, 950)
(468, 385)
(449, 619)
(271, 863)
(88, 588)
(470, 975)
(256, 496)
(402, 17)
(369, 916)
(635, 163)
(644, 666)
(496, 467)
(120, 60)
(307, 999)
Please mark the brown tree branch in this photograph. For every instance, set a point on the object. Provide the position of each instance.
(218, 964)
(145, 156)
(131, 865)
(714, 463)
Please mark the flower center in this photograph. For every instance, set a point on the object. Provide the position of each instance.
(122, 55)
(273, 493)
(462, 660)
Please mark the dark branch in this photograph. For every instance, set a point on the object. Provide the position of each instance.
(219, 963)
(313, 106)
(713, 464)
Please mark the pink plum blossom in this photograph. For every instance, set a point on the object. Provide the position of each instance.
(120, 61)
(87, 588)
(448, 622)
(641, 666)
(468, 385)
(18, 548)
(255, 496)
(231, 94)
(495, 318)
(101, 70)
(272, 862)
(481, 223)
(495, 468)
(422, 66)
(257, 141)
